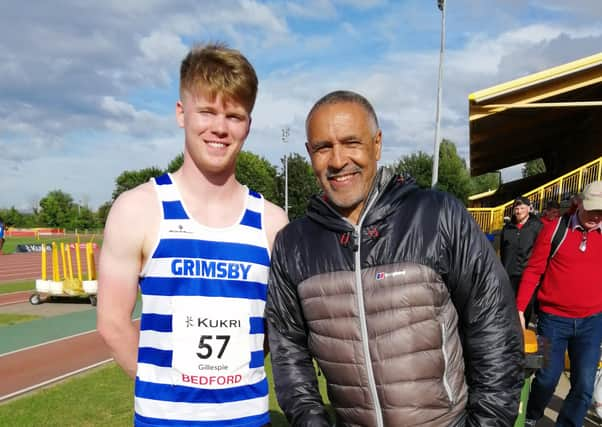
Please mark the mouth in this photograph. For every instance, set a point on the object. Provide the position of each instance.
(216, 144)
(343, 176)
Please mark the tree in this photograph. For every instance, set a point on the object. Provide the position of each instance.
(302, 184)
(83, 219)
(453, 174)
(130, 179)
(419, 166)
(257, 173)
(56, 209)
(102, 214)
(11, 217)
(486, 182)
(176, 163)
(533, 167)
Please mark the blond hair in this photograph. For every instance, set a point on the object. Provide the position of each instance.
(214, 69)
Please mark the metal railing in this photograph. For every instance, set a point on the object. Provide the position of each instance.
(559, 189)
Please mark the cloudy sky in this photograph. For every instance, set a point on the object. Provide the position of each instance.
(88, 89)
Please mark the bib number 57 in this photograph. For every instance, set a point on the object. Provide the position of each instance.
(206, 345)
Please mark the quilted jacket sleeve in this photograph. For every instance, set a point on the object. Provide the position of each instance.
(490, 329)
(292, 365)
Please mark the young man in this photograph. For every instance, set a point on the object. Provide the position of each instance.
(197, 243)
(570, 307)
(394, 290)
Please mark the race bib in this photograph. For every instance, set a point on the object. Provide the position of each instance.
(211, 341)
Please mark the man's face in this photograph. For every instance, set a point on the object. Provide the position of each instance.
(552, 213)
(215, 130)
(344, 146)
(589, 219)
(521, 212)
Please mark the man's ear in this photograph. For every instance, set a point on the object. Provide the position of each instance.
(180, 113)
(378, 143)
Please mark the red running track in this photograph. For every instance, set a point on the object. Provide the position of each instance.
(27, 266)
(34, 367)
(14, 298)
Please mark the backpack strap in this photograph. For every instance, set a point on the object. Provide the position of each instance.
(559, 234)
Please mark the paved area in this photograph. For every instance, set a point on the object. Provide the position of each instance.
(48, 309)
(551, 412)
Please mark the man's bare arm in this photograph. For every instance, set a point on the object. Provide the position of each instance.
(275, 220)
(119, 268)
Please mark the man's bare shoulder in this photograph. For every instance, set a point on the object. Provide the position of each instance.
(275, 219)
(134, 214)
(275, 214)
(132, 203)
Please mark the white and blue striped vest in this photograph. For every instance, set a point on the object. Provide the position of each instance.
(200, 357)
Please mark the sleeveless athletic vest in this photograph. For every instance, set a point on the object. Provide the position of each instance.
(200, 357)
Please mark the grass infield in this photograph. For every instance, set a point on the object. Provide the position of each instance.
(8, 319)
(21, 285)
(101, 397)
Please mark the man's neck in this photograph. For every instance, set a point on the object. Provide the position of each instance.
(212, 200)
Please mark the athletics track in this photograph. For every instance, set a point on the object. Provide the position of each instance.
(37, 353)
(41, 352)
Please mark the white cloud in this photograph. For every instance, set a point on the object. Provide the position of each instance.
(90, 89)
(313, 9)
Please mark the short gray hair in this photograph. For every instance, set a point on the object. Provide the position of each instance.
(340, 97)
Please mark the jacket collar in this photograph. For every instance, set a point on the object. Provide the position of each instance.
(387, 191)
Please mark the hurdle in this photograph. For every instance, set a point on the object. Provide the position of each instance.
(65, 280)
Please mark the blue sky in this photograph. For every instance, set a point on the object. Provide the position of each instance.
(88, 89)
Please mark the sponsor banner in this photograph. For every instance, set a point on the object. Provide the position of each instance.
(82, 245)
(37, 247)
(32, 248)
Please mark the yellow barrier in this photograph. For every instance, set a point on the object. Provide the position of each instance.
(561, 188)
(68, 285)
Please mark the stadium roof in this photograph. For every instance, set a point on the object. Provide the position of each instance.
(526, 118)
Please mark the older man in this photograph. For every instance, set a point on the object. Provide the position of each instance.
(570, 307)
(394, 291)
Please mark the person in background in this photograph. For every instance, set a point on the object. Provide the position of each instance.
(197, 244)
(517, 239)
(2, 233)
(393, 289)
(573, 204)
(551, 212)
(570, 308)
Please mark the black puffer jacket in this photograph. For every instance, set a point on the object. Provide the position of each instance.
(516, 244)
(409, 315)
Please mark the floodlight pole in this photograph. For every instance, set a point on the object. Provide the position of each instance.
(285, 133)
(435, 177)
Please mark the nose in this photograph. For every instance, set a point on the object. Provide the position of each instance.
(338, 158)
(219, 125)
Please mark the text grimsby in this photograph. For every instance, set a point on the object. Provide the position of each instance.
(209, 269)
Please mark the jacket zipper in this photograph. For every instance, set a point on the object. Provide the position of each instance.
(445, 362)
(363, 323)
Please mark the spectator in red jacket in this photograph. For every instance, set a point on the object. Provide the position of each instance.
(551, 212)
(570, 308)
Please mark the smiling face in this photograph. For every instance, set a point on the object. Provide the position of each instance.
(344, 145)
(215, 129)
(589, 219)
(521, 212)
